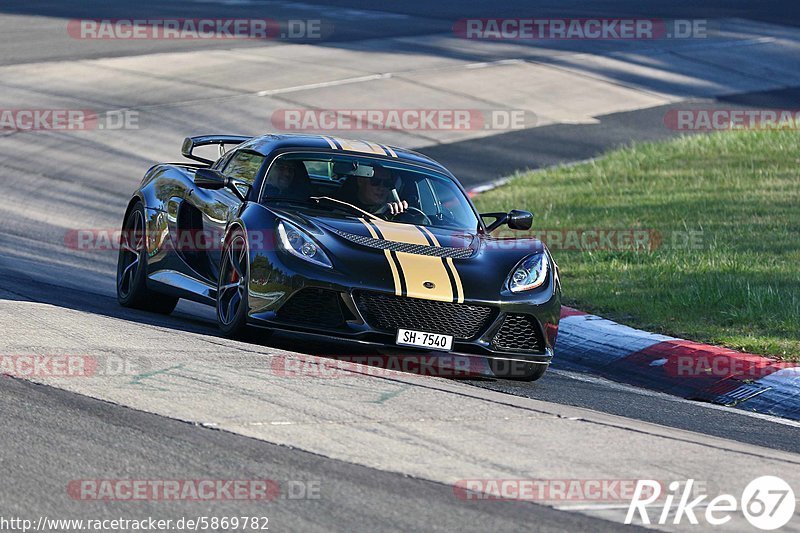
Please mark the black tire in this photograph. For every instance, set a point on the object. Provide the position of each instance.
(132, 288)
(517, 370)
(232, 287)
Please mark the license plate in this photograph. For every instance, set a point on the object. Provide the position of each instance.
(423, 339)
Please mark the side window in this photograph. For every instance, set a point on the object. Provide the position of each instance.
(244, 166)
(450, 205)
(222, 161)
(426, 199)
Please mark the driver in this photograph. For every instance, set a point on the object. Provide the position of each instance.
(373, 194)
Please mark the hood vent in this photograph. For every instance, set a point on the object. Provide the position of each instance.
(394, 246)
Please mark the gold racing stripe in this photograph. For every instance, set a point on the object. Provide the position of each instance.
(359, 146)
(388, 150)
(417, 269)
(397, 285)
(366, 147)
(459, 295)
(377, 148)
(457, 277)
(330, 142)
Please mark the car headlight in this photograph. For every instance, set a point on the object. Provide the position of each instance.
(300, 244)
(529, 273)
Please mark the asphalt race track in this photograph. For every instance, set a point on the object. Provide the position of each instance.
(383, 450)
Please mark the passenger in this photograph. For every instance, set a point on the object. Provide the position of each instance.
(287, 179)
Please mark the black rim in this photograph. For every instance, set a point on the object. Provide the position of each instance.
(130, 246)
(233, 281)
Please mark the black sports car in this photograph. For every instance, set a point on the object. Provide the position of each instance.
(348, 239)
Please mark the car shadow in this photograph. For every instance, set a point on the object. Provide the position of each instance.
(191, 317)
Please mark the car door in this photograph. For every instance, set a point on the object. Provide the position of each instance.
(217, 207)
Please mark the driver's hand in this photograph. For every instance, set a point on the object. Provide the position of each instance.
(397, 207)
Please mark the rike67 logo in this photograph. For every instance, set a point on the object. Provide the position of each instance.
(767, 502)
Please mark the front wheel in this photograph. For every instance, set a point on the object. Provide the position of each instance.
(232, 301)
(132, 288)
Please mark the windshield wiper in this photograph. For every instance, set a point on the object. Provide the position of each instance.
(340, 203)
(286, 199)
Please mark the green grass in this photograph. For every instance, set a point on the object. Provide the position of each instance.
(738, 190)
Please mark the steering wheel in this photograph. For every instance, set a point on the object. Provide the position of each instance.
(414, 215)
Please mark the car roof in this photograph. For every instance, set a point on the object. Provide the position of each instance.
(266, 144)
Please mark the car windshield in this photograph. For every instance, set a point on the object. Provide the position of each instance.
(364, 187)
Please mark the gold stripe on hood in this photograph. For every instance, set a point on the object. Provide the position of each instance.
(417, 270)
(459, 296)
(395, 275)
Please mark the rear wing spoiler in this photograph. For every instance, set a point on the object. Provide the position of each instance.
(190, 143)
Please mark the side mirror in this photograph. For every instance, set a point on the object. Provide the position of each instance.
(516, 219)
(208, 178)
(520, 219)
